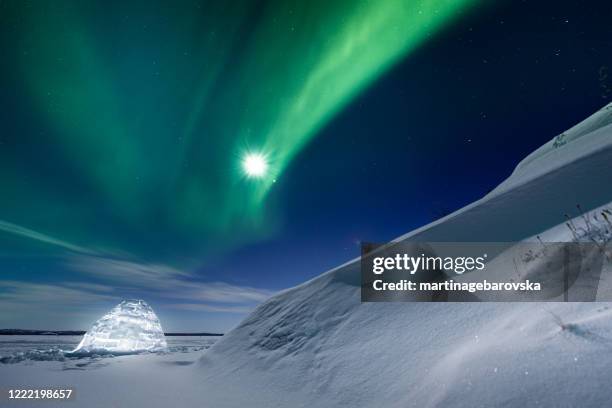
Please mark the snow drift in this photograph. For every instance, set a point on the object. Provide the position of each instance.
(317, 345)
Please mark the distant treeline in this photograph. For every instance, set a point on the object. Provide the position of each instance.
(23, 332)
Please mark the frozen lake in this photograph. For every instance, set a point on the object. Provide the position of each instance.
(162, 379)
(17, 349)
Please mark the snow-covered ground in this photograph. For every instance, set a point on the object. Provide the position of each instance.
(142, 380)
(317, 345)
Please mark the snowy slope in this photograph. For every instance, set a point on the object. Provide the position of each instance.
(316, 345)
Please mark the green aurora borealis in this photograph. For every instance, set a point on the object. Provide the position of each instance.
(144, 112)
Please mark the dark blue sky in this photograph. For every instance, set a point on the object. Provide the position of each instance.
(437, 131)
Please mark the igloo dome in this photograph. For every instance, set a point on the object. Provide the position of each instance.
(130, 327)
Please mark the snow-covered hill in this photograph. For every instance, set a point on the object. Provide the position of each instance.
(317, 345)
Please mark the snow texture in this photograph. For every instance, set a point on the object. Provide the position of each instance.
(131, 327)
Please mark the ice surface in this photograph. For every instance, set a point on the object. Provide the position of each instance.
(130, 327)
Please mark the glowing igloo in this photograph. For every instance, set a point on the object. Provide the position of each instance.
(131, 327)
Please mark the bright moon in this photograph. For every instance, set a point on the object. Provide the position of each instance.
(254, 165)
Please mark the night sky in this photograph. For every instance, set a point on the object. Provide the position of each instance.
(125, 125)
